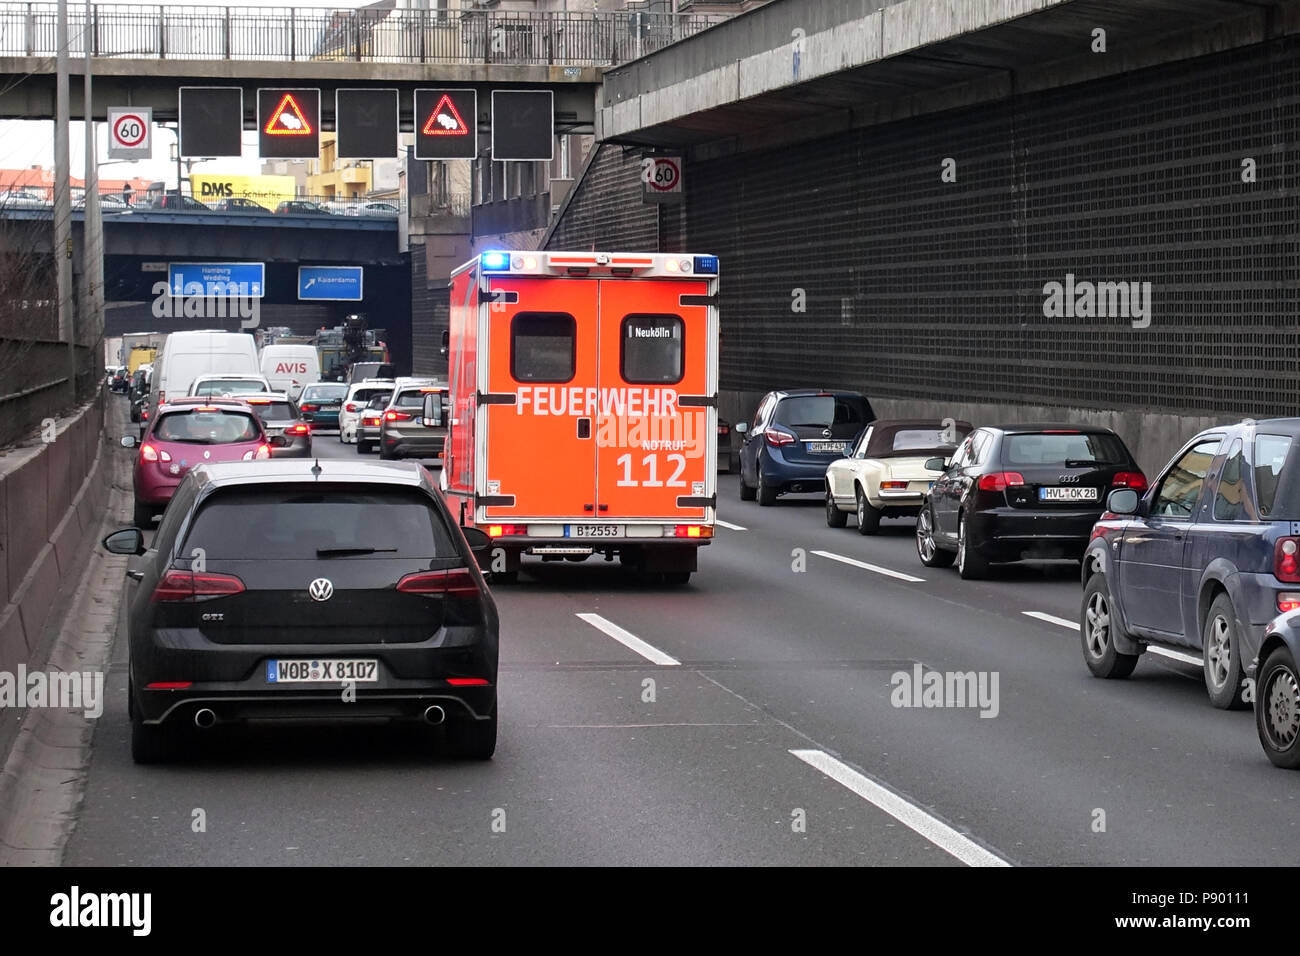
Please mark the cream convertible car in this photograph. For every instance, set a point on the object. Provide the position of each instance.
(884, 475)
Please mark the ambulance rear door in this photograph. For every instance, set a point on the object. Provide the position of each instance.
(656, 432)
(540, 457)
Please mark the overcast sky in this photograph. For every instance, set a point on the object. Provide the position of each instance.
(31, 142)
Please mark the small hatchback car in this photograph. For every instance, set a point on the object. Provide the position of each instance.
(1203, 562)
(795, 435)
(1018, 492)
(186, 433)
(313, 577)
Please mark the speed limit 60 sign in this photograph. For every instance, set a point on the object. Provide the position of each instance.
(661, 179)
(130, 132)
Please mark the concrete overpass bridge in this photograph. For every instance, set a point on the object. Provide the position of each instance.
(141, 55)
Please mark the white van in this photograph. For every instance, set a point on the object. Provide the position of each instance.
(289, 367)
(187, 355)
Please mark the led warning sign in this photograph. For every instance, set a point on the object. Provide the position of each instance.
(288, 123)
(446, 123)
(287, 119)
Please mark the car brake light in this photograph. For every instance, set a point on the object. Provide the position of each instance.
(723, 430)
(170, 685)
(467, 681)
(351, 407)
(692, 531)
(778, 438)
(162, 396)
(308, 407)
(893, 486)
(397, 416)
(500, 530)
(298, 429)
(454, 581)
(370, 421)
(150, 453)
(1286, 563)
(1131, 479)
(188, 586)
(1288, 601)
(1000, 480)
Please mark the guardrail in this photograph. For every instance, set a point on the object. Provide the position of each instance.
(364, 35)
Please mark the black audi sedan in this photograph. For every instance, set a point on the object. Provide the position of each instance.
(293, 589)
(1017, 492)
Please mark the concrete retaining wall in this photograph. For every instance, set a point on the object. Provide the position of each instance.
(52, 501)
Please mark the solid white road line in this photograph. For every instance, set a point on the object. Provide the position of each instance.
(630, 641)
(1162, 651)
(906, 813)
(728, 525)
(1176, 655)
(869, 567)
(1051, 619)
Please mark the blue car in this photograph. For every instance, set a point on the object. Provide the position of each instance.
(320, 404)
(795, 435)
(1203, 561)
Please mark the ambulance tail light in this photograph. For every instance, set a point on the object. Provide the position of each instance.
(505, 530)
(693, 531)
(777, 438)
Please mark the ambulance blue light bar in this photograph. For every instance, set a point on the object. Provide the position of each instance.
(495, 260)
(706, 265)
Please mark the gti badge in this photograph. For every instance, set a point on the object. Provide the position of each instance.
(322, 589)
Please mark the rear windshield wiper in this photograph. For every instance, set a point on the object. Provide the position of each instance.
(332, 552)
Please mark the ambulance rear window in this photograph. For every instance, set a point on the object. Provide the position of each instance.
(543, 346)
(653, 350)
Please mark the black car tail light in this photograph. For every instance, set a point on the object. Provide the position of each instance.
(777, 438)
(456, 582)
(1000, 480)
(1286, 560)
(191, 586)
(1131, 479)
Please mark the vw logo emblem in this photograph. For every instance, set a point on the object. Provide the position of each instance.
(322, 589)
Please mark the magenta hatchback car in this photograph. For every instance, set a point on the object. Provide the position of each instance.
(187, 433)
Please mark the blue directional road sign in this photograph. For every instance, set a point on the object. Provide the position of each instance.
(217, 278)
(330, 283)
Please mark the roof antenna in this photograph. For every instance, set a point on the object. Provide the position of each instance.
(316, 469)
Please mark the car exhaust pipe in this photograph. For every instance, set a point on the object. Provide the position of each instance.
(204, 718)
(434, 715)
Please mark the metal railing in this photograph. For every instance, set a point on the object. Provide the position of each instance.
(365, 35)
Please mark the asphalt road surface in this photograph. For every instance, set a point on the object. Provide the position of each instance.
(748, 718)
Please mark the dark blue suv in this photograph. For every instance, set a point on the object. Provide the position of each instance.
(795, 435)
(1202, 562)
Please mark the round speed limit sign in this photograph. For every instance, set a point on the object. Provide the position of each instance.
(662, 173)
(128, 132)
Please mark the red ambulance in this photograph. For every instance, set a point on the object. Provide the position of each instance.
(582, 391)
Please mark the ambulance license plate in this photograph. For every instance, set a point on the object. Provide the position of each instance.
(826, 447)
(594, 531)
(359, 669)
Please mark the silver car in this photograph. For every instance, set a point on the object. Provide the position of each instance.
(289, 435)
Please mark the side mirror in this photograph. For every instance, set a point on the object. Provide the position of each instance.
(478, 540)
(740, 427)
(1122, 501)
(936, 464)
(128, 541)
(279, 441)
(432, 411)
(128, 441)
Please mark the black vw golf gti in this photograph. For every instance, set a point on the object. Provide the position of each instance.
(287, 589)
